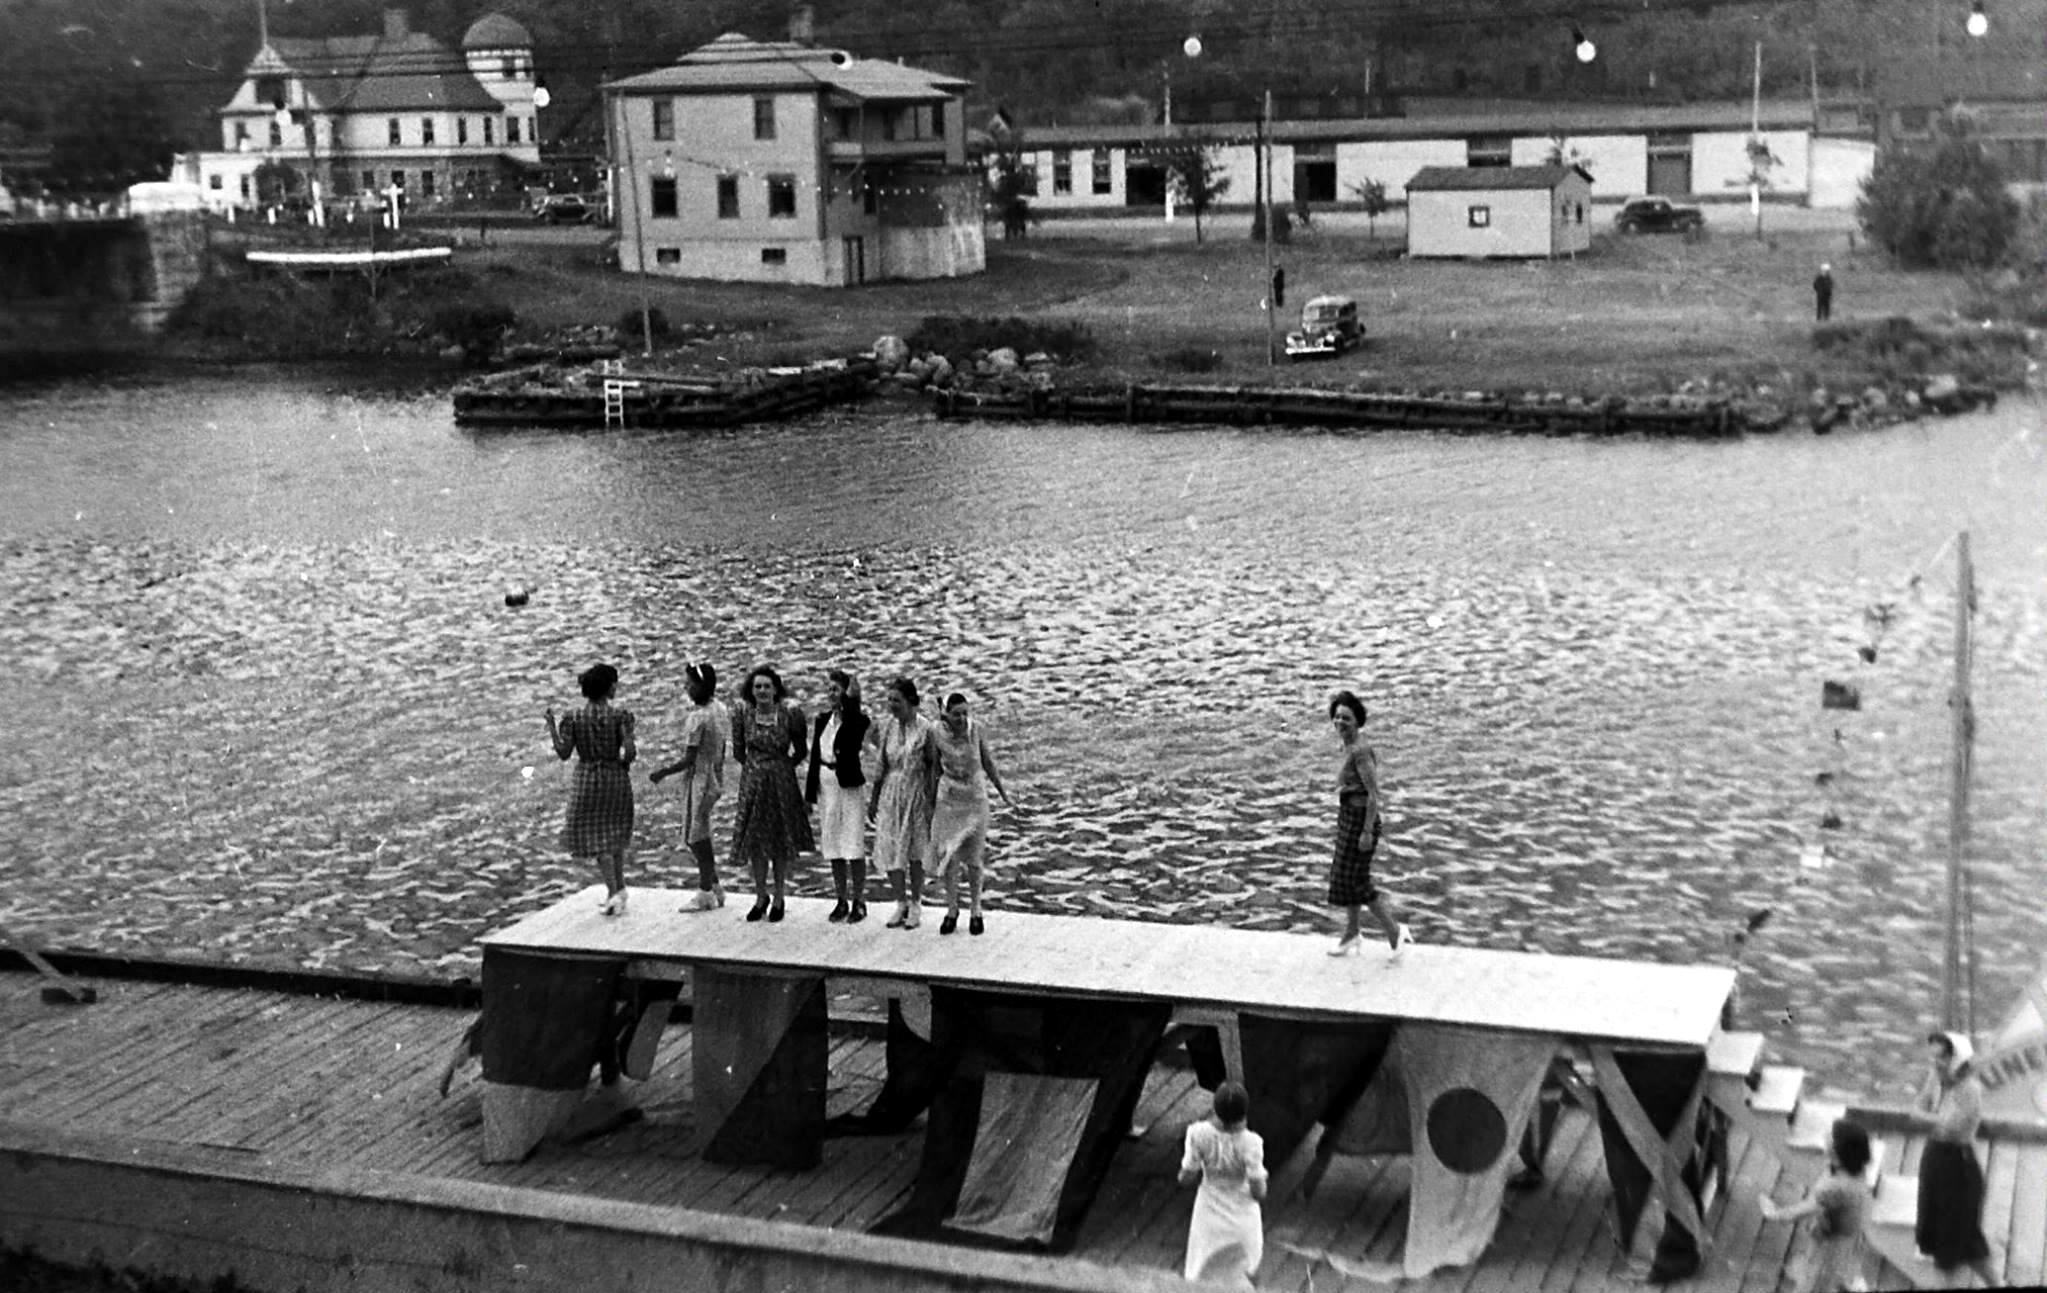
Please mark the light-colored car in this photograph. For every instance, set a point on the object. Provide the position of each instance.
(1329, 326)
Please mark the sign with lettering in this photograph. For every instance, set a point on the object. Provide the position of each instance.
(2013, 1066)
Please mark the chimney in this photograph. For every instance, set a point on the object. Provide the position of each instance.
(803, 24)
(395, 25)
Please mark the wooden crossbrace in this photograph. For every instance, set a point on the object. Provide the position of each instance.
(58, 983)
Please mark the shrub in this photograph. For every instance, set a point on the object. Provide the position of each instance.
(1190, 359)
(1940, 206)
(633, 326)
(957, 336)
(476, 326)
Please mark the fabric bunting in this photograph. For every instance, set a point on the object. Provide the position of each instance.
(1657, 1133)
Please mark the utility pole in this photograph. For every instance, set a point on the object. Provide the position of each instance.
(1755, 141)
(1265, 217)
(1959, 768)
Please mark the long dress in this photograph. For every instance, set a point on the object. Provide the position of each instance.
(1357, 828)
(902, 810)
(708, 728)
(1950, 1226)
(771, 823)
(959, 820)
(841, 810)
(1226, 1237)
(600, 816)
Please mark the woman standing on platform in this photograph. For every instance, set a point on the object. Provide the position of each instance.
(838, 786)
(706, 740)
(1357, 831)
(770, 824)
(1226, 1235)
(1950, 1228)
(959, 821)
(600, 817)
(901, 806)
(1839, 1206)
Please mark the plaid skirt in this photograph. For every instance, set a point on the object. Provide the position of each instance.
(600, 816)
(1350, 873)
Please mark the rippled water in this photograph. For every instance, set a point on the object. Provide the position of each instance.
(267, 703)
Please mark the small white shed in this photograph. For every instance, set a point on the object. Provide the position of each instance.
(1499, 211)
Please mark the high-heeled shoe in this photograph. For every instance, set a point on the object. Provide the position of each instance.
(913, 915)
(775, 912)
(950, 923)
(1403, 939)
(1349, 945)
(758, 910)
(901, 918)
(839, 913)
(975, 925)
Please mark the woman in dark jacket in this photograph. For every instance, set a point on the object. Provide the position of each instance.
(837, 787)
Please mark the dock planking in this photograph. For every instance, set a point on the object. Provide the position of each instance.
(320, 1082)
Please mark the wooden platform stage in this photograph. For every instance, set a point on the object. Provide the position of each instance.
(1640, 1005)
(321, 1083)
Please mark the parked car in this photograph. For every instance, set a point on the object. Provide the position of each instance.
(1657, 215)
(567, 208)
(1329, 326)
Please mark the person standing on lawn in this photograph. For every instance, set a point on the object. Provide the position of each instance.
(1823, 293)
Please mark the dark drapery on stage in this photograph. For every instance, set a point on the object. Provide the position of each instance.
(1299, 1074)
(1029, 1099)
(546, 1022)
(1659, 1135)
(760, 1060)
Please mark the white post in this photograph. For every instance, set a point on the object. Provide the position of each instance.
(1169, 141)
(1755, 135)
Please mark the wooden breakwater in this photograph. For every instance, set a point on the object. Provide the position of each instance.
(1280, 405)
(543, 395)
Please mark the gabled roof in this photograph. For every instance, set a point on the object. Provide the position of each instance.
(1491, 178)
(379, 73)
(735, 63)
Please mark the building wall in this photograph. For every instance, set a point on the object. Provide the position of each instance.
(1619, 163)
(947, 251)
(1438, 223)
(1571, 217)
(1720, 163)
(1392, 162)
(1838, 168)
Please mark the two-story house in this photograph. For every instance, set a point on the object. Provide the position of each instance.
(361, 114)
(782, 162)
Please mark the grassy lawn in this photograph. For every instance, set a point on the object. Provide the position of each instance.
(1635, 314)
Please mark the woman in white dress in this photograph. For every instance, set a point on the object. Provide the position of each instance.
(959, 821)
(706, 744)
(900, 807)
(1226, 1237)
(837, 788)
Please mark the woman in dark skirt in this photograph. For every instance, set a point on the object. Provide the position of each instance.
(771, 823)
(600, 818)
(1950, 1228)
(1357, 832)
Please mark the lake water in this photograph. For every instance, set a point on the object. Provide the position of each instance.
(267, 703)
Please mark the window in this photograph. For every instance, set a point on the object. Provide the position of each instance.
(781, 197)
(241, 135)
(664, 196)
(369, 181)
(1479, 217)
(508, 67)
(668, 255)
(938, 120)
(1062, 172)
(392, 135)
(764, 117)
(664, 118)
(245, 188)
(213, 182)
(489, 131)
(426, 184)
(1579, 208)
(511, 130)
(276, 135)
(461, 130)
(426, 130)
(728, 197)
(1100, 170)
(774, 256)
(846, 123)
(270, 91)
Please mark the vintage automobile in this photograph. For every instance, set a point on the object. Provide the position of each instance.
(1329, 326)
(1657, 215)
(568, 208)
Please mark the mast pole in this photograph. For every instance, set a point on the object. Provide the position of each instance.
(1964, 721)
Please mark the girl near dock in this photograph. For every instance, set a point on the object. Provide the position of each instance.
(770, 824)
(706, 740)
(900, 809)
(1226, 1235)
(837, 786)
(959, 821)
(1357, 831)
(1950, 1227)
(600, 816)
(1839, 1206)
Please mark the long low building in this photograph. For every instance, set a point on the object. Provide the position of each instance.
(1690, 151)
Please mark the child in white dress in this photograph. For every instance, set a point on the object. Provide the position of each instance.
(1226, 1238)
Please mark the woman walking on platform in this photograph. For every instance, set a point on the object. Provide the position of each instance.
(1950, 1228)
(1357, 831)
(959, 821)
(770, 824)
(837, 785)
(706, 740)
(1226, 1235)
(901, 806)
(600, 816)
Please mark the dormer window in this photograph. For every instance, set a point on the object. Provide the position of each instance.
(270, 91)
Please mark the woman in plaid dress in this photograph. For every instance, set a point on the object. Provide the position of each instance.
(1357, 831)
(771, 823)
(600, 818)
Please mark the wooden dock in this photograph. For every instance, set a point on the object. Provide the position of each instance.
(543, 395)
(320, 1085)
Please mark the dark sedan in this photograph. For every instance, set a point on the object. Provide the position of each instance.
(1657, 215)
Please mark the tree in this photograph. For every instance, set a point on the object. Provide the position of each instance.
(1761, 161)
(1198, 180)
(113, 133)
(1011, 187)
(1562, 152)
(1941, 205)
(275, 183)
(1373, 194)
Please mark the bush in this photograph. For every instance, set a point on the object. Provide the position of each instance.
(633, 326)
(958, 336)
(476, 326)
(1190, 359)
(1942, 206)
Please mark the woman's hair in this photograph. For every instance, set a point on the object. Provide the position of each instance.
(850, 706)
(597, 681)
(1232, 1103)
(701, 680)
(1348, 700)
(904, 688)
(954, 698)
(1851, 1146)
(768, 672)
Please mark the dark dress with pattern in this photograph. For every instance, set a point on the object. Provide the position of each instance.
(600, 818)
(771, 823)
(1357, 828)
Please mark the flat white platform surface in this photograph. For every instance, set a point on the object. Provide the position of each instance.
(1282, 974)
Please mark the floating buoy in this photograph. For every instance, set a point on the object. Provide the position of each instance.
(1839, 695)
(516, 597)
(1830, 821)
(1868, 653)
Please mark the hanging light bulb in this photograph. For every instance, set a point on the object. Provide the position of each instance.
(1191, 47)
(1979, 22)
(1582, 45)
(541, 98)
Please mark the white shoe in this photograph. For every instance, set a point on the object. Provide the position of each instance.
(707, 900)
(1403, 940)
(610, 905)
(913, 916)
(621, 904)
(1349, 944)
